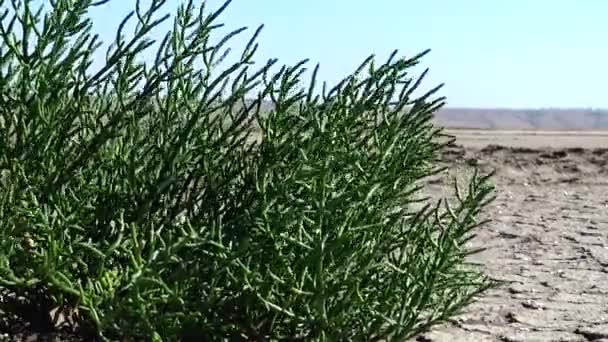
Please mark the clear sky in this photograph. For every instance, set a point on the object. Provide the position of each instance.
(516, 53)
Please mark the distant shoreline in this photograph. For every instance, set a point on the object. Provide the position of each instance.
(557, 119)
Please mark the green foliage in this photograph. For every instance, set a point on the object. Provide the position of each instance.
(160, 200)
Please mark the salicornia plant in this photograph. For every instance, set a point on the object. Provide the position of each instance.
(195, 193)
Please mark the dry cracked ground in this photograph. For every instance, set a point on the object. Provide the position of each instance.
(548, 242)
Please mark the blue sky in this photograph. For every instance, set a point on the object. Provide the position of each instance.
(516, 53)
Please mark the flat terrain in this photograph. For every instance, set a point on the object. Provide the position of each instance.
(537, 119)
(539, 139)
(548, 240)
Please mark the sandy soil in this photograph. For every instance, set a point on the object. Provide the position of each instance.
(548, 240)
(479, 138)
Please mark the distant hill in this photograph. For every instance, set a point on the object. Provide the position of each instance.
(572, 119)
(517, 119)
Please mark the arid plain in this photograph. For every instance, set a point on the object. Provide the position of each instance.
(548, 238)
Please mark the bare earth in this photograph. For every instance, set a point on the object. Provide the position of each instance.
(548, 240)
